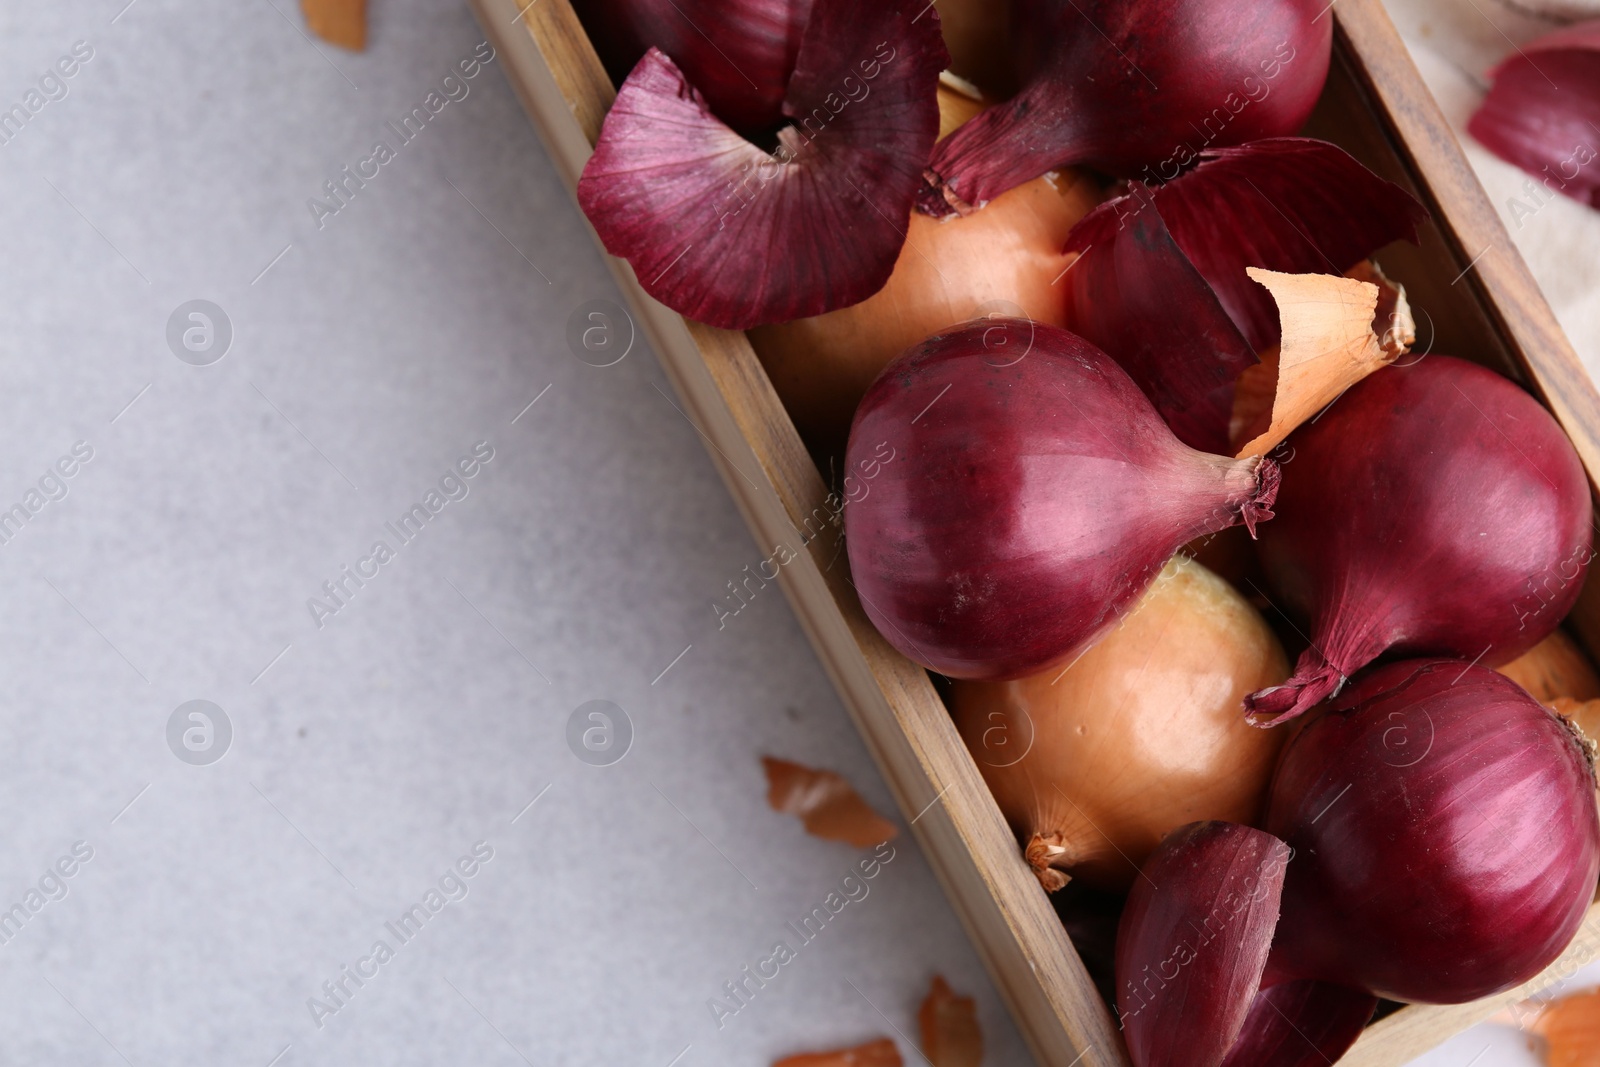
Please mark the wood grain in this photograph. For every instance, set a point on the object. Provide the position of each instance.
(1378, 108)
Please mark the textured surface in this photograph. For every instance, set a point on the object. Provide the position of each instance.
(367, 356)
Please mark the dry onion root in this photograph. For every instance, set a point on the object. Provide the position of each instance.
(1093, 765)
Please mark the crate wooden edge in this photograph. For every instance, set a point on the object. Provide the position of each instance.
(566, 92)
(726, 396)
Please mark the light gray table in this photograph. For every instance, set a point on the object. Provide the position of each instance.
(368, 754)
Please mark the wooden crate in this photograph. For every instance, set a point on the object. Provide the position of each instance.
(1474, 296)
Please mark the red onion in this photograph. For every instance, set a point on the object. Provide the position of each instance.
(1136, 87)
(1434, 509)
(737, 54)
(1034, 495)
(1445, 835)
(1193, 942)
(1289, 204)
(724, 231)
(1543, 115)
(1301, 1024)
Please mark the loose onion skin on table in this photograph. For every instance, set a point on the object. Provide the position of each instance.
(1034, 494)
(1094, 764)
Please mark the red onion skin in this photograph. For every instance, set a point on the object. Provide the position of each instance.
(1136, 88)
(1301, 1024)
(1542, 112)
(1445, 833)
(1290, 204)
(1193, 940)
(1434, 509)
(737, 54)
(728, 234)
(1032, 498)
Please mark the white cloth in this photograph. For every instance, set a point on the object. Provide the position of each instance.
(1455, 44)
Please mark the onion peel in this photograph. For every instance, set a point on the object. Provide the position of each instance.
(1193, 942)
(826, 804)
(998, 261)
(1328, 345)
(340, 22)
(731, 235)
(1542, 114)
(1554, 669)
(878, 1053)
(1289, 204)
(949, 1027)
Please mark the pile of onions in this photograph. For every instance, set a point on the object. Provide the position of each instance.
(1004, 260)
(1136, 88)
(1435, 509)
(1432, 837)
(1093, 765)
(1034, 495)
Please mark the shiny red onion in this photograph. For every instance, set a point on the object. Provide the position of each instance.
(1445, 835)
(1034, 494)
(1434, 509)
(1136, 88)
(729, 233)
(1543, 115)
(737, 54)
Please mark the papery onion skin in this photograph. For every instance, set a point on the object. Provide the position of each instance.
(1095, 764)
(1435, 509)
(1445, 832)
(737, 54)
(1003, 260)
(1193, 941)
(1294, 205)
(731, 235)
(1301, 1024)
(1136, 88)
(1034, 494)
(1542, 112)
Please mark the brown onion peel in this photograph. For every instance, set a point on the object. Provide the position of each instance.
(1553, 669)
(949, 1027)
(1094, 764)
(1543, 115)
(1438, 789)
(878, 1053)
(731, 235)
(1289, 204)
(825, 803)
(1193, 942)
(1328, 345)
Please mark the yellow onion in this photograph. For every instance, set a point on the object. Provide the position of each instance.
(1555, 667)
(1002, 260)
(1095, 764)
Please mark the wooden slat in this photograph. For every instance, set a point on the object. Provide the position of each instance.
(1494, 309)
